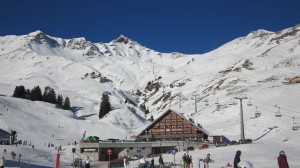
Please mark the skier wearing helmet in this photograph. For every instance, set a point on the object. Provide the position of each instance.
(237, 159)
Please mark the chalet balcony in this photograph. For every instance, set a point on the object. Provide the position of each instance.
(170, 136)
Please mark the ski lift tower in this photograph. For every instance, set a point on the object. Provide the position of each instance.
(241, 117)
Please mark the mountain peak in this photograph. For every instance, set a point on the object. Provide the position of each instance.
(41, 38)
(36, 33)
(123, 39)
(259, 33)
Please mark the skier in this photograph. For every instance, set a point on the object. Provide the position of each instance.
(191, 161)
(188, 161)
(207, 160)
(237, 159)
(282, 160)
(152, 163)
(13, 154)
(161, 162)
(184, 160)
(87, 162)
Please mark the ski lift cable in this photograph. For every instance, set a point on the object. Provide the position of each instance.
(272, 111)
(272, 105)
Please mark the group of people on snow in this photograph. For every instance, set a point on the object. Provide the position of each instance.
(281, 159)
(237, 163)
(187, 160)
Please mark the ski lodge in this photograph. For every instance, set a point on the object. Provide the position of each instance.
(172, 125)
(170, 130)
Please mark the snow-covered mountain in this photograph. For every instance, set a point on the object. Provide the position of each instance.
(254, 66)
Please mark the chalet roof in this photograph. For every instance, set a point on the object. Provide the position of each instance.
(158, 118)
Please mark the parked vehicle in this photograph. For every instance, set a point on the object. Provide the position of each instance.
(222, 144)
(190, 148)
(234, 142)
(204, 146)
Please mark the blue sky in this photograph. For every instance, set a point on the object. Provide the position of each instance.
(186, 26)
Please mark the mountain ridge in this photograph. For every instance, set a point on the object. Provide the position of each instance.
(83, 71)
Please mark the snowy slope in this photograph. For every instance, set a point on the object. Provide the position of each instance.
(254, 66)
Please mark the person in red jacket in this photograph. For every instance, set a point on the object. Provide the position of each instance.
(282, 160)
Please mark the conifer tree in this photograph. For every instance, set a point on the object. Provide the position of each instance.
(36, 94)
(67, 104)
(105, 106)
(19, 92)
(49, 95)
(59, 101)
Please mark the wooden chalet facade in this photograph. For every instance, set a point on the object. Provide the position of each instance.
(173, 126)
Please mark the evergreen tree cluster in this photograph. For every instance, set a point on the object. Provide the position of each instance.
(48, 95)
(105, 106)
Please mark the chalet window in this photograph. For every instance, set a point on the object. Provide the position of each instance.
(156, 127)
(187, 132)
(173, 120)
(163, 120)
(179, 126)
(174, 126)
(194, 131)
(131, 148)
(168, 120)
(180, 120)
(162, 127)
(187, 126)
(167, 126)
(174, 132)
(179, 132)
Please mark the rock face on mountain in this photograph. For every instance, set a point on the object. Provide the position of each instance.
(39, 37)
(81, 44)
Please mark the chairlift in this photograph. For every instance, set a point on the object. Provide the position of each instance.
(257, 113)
(233, 102)
(217, 102)
(249, 103)
(278, 114)
(295, 125)
(206, 102)
(230, 103)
